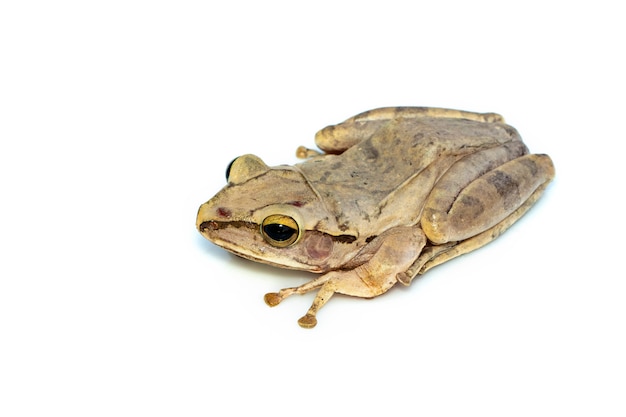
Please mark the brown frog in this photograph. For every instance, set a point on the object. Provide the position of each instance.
(396, 192)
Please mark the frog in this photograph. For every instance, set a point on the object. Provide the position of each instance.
(391, 193)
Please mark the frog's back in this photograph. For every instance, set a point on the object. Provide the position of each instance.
(357, 181)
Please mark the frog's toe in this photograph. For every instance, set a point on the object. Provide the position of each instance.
(404, 278)
(304, 153)
(272, 299)
(307, 321)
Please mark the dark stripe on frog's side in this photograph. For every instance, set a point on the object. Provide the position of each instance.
(343, 238)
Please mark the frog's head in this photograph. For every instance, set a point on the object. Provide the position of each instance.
(272, 215)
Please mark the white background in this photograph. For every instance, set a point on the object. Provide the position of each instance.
(118, 118)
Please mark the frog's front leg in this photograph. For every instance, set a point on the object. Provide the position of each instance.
(463, 215)
(375, 270)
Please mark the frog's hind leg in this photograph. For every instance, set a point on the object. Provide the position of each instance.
(459, 228)
(337, 138)
(438, 254)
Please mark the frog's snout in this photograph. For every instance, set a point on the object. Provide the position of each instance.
(204, 217)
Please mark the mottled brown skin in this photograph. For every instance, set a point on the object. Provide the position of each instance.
(397, 191)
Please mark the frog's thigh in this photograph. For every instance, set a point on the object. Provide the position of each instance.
(450, 215)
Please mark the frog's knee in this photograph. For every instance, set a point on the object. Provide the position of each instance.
(435, 225)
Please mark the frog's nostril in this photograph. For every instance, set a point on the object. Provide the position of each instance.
(223, 212)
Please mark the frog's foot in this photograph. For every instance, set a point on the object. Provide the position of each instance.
(427, 255)
(308, 321)
(404, 278)
(272, 299)
(304, 153)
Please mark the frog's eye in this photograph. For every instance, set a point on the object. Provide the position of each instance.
(280, 231)
(228, 169)
(244, 168)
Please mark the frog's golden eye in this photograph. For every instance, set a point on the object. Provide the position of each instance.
(280, 231)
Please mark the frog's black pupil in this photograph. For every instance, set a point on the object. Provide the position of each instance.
(278, 232)
(229, 167)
